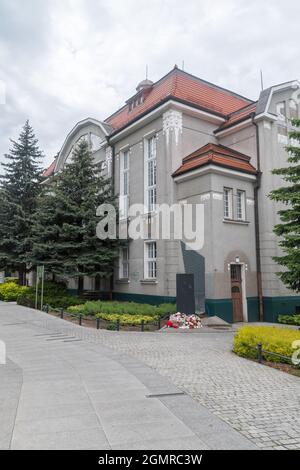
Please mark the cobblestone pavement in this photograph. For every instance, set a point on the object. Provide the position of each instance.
(262, 403)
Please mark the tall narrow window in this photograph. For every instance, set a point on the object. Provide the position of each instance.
(124, 263)
(227, 197)
(150, 260)
(240, 205)
(293, 108)
(150, 174)
(281, 111)
(124, 184)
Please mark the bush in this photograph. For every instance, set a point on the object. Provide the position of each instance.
(289, 319)
(55, 295)
(9, 291)
(129, 320)
(273, 339)
(12, 279)
(122, 308)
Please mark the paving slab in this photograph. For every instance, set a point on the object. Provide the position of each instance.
(94, 393)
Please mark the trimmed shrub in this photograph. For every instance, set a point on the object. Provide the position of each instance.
(289, 319)
(129, 320)
(273, 339)
(9, 291)
(122, 308)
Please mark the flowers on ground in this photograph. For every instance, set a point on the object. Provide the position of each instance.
(181, 320)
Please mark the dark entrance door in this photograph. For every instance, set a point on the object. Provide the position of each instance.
(236, 292)
(185, 293)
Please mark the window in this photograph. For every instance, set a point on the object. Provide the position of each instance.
(96, 142)
(124, 263)
(135, 102)
(240, 205)
(227, 197)
(282, 135)
(293, 108)
(281, 111)
(150, 260)
(124, 184)
(150, 174)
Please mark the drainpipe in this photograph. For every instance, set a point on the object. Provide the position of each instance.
(113, 188)
(256, 217)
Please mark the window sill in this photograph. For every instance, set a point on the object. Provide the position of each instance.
(235, 221)
(122, 281)
(148, 281)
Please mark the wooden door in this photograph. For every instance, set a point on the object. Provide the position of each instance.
(236, 292)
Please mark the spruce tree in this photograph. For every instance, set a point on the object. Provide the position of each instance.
(289, 229)
(65, 238)
(19, 188)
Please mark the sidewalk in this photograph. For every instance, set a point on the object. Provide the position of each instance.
(58, 391)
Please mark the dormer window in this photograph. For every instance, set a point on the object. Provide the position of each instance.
(281, 111)
(293, 108)
(135, 102)
(142, 89)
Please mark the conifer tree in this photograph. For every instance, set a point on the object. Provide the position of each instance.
(289, 229)
(19, 188)
(65, 239)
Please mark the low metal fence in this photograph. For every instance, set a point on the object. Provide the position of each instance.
(263, 352)
(100, 323)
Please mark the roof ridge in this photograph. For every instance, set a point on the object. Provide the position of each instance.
(206, 82)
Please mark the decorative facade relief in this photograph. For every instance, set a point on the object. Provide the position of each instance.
(172, 122)
(218, 196)
(205, 197)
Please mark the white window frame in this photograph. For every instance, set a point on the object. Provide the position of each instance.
(124, 184)
(293, 109)
(240, 204)
(150, 260)
(281, 110)
(124, 263)
(228, 203)
(150, 177)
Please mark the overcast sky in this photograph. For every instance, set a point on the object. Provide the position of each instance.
(65, 60)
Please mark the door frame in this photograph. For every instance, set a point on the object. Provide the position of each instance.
(244, 296)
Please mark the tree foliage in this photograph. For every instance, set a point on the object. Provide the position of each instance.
(64, 229)
(19, 188)
(289, 228)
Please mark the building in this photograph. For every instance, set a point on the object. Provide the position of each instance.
(184, 140)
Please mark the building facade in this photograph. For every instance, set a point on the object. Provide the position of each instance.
(185, 141)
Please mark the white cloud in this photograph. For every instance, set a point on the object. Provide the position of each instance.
(64, 61)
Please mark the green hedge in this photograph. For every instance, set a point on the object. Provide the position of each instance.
(93, 308)
(274, 339)
(124, 319)
(289, 319)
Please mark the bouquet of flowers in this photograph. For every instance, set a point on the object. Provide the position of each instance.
(181, 320)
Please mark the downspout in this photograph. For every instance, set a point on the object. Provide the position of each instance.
(113, 189)
(256, 218)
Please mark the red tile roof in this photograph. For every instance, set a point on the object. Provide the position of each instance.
(50, 170)
(217, 155)
(184, 87)
(238, 116)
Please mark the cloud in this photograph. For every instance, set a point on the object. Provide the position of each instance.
(64, 61)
